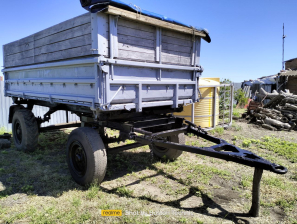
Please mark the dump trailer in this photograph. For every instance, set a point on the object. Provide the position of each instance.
(117, 67)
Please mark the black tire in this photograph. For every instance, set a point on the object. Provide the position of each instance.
(86, 156)
(25, 130)
(170, 154)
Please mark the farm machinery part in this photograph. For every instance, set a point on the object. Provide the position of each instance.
(153, 132)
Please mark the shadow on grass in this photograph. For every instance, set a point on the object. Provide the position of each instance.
(45, 173)
(146, 163)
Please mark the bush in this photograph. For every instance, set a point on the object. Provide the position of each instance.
(240, 98)
(224, 93)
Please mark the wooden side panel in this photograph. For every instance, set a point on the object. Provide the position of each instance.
(292, 64)
(292, 84)
(177, 48)
(66, 40)
(136, 41)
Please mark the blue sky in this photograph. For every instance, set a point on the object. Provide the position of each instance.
(246, 35)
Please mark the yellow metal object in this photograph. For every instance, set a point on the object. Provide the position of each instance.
(204, 110)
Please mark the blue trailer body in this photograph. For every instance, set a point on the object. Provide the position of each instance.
(108, 61)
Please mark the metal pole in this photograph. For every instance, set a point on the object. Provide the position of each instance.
(224, 103)
(255, 209)
(214, 107)
(283, 62)
(193, 112)
(231, 104)
(67, 118)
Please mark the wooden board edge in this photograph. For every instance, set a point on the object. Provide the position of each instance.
(152, 21)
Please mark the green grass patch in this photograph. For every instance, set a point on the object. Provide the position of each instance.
(218, 130)
(3, 130)
(277, 145)
(246, 181)
(27, 188)
(286, 203)
(294, 176)
(124, 191)
(93, 192)
(246, 143)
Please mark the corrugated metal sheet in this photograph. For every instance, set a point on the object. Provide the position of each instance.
(247, 91)
(288, 73)
(268, 89)
(237, 86)
(56, 118)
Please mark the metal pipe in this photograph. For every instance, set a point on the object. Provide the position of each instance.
(255, 209)
(124, 148)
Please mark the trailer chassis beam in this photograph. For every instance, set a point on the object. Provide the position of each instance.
(221, 149)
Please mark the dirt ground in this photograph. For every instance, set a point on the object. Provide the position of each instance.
(37, 187)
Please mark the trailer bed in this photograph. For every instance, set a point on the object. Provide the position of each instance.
(109, 60)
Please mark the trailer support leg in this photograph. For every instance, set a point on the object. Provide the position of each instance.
(255, 209)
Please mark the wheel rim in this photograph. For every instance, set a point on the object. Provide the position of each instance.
(17, 132)
(78, 159)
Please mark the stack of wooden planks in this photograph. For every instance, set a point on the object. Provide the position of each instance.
(280, 113)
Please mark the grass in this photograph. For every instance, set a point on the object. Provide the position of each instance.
(237, 112)
(276, 145)
(3, 130)
(219, 130)
(38, 187)
(123, 191)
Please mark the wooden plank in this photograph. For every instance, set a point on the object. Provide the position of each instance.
(18, 48)
(19, 56)
(175, 59)
(176, 48)
(182, 36)
(152, 21)
(13, 47)
(66, 54)
(124, 39)
(27, 42)
(175, 53)
(128, 47)
(24, 61)
(64, 45)
(67, 34)
(135, 25)
(136, 33)
(136, 56)
(176, 41)
(3, 50)
(291, 64)
(68, 24)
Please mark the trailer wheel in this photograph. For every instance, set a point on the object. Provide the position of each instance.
(170, 154)
(25, 130)
(86, 156)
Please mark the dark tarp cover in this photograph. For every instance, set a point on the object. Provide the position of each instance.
(98, 5)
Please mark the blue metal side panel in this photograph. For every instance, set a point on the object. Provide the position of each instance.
(56, 118)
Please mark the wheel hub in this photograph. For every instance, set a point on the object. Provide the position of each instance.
(18, 132)
(78, 158)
